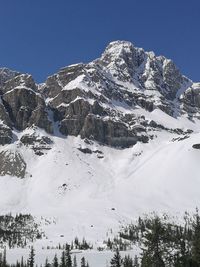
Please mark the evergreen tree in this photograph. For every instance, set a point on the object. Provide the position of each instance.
(4, 262)
(74, 261)
(146, 260)
(55, 261)
(154, 249)
(127, 261)
(47, 264)
(68, 259)
(109, 244)
(83, 262)
(72, 245)
(31, 258)
(116, 261)
(62, 260)
(1, 259)
(76, 242)
(136, 262)
(196, 239)
(22, 262)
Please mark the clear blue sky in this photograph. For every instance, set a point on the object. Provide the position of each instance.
(40, 36)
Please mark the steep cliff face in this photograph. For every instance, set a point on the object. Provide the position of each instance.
(5, 75)
(24, 105)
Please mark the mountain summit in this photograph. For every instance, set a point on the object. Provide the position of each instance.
(85, 99)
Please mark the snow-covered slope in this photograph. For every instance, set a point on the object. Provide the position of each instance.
(98, 144)
(88, 195)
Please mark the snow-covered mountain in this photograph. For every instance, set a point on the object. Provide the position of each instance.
(98, 144)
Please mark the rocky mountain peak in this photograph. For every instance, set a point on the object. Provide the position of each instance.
(122, 59)
(124, 62)
(119, 49)
(98, 100)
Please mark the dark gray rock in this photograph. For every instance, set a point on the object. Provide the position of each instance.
(85, 150)
(39, 117)
(20, 104)
(24, 105)
(196, 146)
(172, 79)
(110, 132)
(12, 163)
(75, 114)
(22, 80)
(154, 124)
(5, 135)
(32, 139)
(5, 75)
(4, 115)
(55, 83)
(39, 144)
(191, 97)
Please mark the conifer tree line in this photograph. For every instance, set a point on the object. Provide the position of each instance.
(66, 260)
(127, 261)
(18, 230)
(162, 243)
(165, 244)
(75, 244)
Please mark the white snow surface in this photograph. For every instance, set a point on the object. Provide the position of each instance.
(87, 196)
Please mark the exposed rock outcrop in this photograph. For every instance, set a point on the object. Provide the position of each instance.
(12, 163)
(5, 75)
(36, 142)
(5, 135)
(26, 107)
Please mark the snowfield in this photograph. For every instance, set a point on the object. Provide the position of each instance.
(89, 196)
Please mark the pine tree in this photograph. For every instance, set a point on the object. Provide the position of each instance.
(72, 245)
(4, 262)
(146, 260)
(68, 259)
(152, 254)
(1, 259)
(196, 239)
(62, 260)
(116, 261)
(109, 244)
(74, 261)
(76, 242)
(47, 264)
(22, 262)
(83, 262)
(127, 261)
(31, 258)
(136, 262)
(55, 261)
